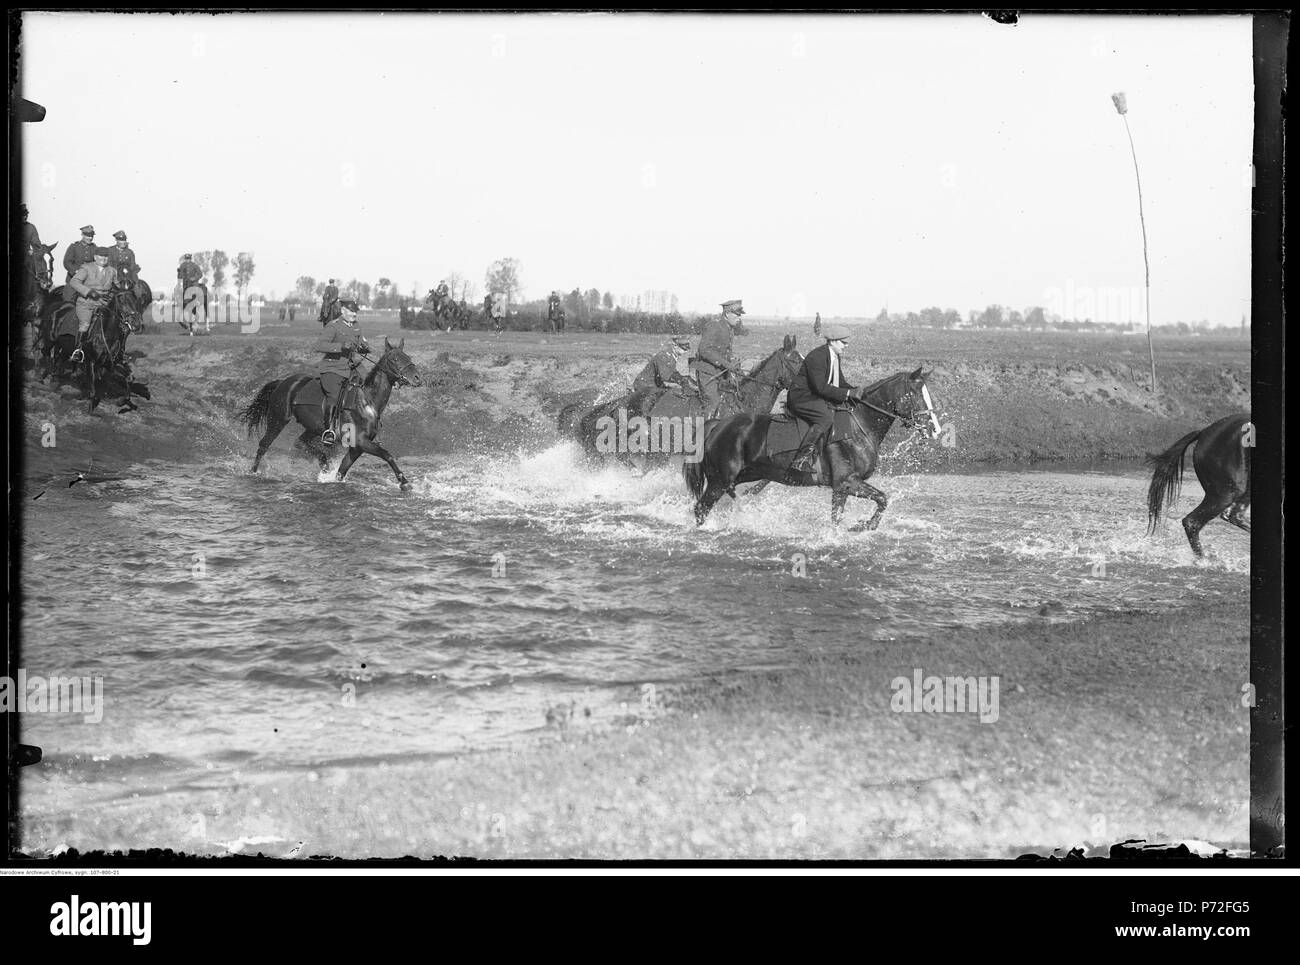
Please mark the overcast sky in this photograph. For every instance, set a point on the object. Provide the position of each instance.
(831, 164)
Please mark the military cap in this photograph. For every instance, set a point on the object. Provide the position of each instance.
(734, 307)
(120, 235)
(349, 303)
(88, 229)
(835, 333)
(682, 341)
(101, 250)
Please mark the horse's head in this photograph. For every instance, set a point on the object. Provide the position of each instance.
(779, 369)
(397, 365)
(908, 397)
(125, 306)
(42, 265)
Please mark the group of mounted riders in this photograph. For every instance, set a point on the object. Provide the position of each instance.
(746, 441)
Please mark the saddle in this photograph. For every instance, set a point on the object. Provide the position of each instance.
(788, 433)
(313, 393)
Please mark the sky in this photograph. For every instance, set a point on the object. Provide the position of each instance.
(832, 164)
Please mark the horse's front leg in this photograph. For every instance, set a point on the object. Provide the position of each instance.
(864, 490)
(838, 498)
(352, 454)
(375, 449)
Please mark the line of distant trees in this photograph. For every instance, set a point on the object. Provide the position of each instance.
(1035, 318)
(216, 263)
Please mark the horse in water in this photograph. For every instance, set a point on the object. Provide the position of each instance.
(299, 397)
(755, 392)
(748, 448)
(1222, 464)
(104, 372)
(37, 279)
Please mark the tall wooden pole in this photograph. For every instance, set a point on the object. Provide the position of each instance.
(1121, 105)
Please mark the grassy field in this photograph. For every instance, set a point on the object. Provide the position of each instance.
(1126, 726)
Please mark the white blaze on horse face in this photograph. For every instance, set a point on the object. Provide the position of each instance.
(933, 429)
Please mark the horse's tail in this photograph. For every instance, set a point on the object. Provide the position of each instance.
(1167, 478)
(693, 473)
(255, 415)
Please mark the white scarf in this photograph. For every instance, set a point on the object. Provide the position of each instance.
(834, 378)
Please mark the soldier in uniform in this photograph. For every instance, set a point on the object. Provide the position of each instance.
(661, 370)
(329, 303)
(31, 237)
(80, 253)
(553, 309)
(714, 354)
(188, 276)
(820, 386)
(343, 346)
(441, 297)
(91, 283)
(122, 260)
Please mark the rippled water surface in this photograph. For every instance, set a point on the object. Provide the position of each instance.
(278, 621)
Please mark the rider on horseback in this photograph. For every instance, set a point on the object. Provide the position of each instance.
(92, 284)
(329, 303)
(31, 236)
(80, 252)
(661, 370)
(713, 357)
(122, 260)
(820, 387)
(343, 346)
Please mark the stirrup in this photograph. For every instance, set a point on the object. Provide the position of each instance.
(77, 355)
(328, 437)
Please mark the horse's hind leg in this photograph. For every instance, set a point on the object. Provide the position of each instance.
(309, 442)
(708, 499)
(1194, 522)
(838, 498)
(272, 431)
(1233, 515)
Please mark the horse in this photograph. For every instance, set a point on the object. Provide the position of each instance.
(189, 306)
(1222, 464)
(104, 370)
(749, 447)
(755, 392)
(299, 397)
(37, 280)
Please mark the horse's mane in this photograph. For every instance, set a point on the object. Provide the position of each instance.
(761, 365)
(881, 383)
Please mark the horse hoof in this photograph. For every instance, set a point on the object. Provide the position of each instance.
(406, 486)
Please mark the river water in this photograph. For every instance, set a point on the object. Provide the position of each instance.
(243, 623)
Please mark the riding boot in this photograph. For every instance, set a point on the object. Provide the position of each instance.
(77, 354)
(329, 436)
(805, 460)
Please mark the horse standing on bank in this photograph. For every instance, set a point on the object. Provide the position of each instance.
(751, 447)
(37, 280)
(299, 397)
(104, 373)
(1222, 464)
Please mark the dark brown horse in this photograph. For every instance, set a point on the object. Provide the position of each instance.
(38, 278)
(1222, 464)
(749, 447)
(104, 373)
(755, 392)
(299, 397)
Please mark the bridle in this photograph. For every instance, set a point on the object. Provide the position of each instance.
(395, 376)
(916, 421)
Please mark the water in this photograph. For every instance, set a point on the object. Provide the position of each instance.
(260, 623)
